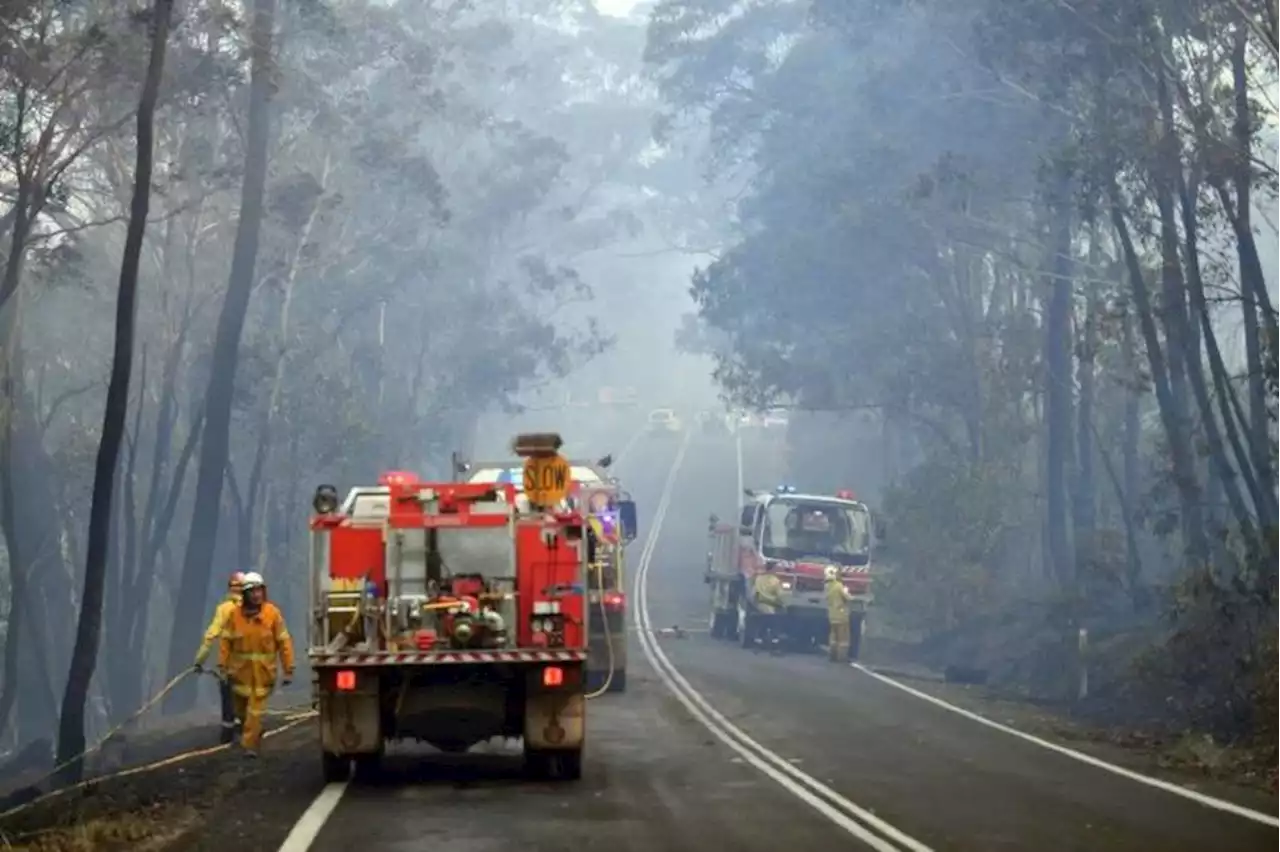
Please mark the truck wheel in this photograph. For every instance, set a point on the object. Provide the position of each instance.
(335, 767)
(549, 765)
(855, 636)
(368, 766)
(566, 765)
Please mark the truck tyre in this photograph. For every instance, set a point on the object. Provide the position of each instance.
(855, 636)
(368, 766)
(553, 765)
(566, 765)
(334, 767)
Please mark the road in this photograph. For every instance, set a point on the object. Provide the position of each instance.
(713, 747)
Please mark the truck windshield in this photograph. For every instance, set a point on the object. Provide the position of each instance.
(794, 529)
(487, 551)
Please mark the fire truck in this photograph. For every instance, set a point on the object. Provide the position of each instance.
(611, 526)
(448, 613)
(798, 536)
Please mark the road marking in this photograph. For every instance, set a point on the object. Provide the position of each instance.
(857, 821)
(628, 446)
(1167, 786)
(307, 828)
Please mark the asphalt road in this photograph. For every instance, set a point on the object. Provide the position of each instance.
(713, 747)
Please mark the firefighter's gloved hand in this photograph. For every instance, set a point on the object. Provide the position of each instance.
(198, 668)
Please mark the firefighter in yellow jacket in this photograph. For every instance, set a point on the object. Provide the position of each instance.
(766, 588)
(253, 639)
(838, 598)
(213, 634)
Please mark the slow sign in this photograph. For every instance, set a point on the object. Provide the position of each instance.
(546, 479)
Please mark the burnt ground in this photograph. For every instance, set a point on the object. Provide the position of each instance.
(174, 806)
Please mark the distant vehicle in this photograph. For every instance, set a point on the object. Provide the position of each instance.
(775, 418)
(664, 420)
(798, 536)
(743, 420)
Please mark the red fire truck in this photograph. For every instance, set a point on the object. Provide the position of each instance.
(797, 536)
(442, 613)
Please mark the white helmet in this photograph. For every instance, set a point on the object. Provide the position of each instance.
(831, 572)
(252, 580)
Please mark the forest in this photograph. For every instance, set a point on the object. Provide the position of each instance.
(254, 246)
(1026, 254)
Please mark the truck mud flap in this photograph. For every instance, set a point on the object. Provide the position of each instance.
(555, 720)
(350, 723)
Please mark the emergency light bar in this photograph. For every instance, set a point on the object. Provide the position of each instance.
(786, 489)
(534, 444)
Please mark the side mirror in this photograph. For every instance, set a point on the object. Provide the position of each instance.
(627, 517)
(604, 463)
(712, 521)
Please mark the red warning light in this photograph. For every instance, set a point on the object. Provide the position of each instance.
(345, 680)
(552, 676)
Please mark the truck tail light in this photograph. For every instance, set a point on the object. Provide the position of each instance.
(615, 601)
(345, 680)
(552, 676)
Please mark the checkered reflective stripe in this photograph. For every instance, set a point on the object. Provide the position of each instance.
(445, 657)
(856, 569)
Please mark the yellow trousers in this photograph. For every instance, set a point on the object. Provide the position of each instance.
(838, 641)
(249, 710)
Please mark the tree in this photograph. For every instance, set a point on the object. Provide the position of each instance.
(71, 738)
(215, 440)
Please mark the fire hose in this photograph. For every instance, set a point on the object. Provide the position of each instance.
(293, 717)
(608, 637)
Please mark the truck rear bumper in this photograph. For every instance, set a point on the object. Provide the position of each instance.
(346, 659)
(451, 707)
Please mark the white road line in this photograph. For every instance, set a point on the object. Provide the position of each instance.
(307, 828)
(628, 446)
(857, 821)
(1169, 787)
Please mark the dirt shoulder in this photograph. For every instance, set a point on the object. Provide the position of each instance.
(205, 798)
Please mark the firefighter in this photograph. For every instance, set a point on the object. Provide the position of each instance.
(838, 598)
(766, 589)
(253, 638)
(212, 634)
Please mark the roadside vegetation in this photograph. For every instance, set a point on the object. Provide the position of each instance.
(1015, 265)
